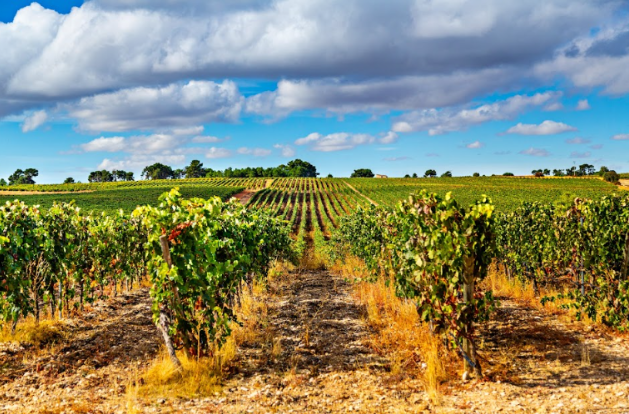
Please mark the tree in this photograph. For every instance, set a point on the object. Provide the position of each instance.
(157, 171)
(414, 175)
(129, 176)
(330, 176)
(362, 172)
(586, 169)
(476, 174)
(407, 176)
(23, 177)
(299, 168)
(508, 174)
(69, 180)
(539, 174)
(179, 174)
(546, 171)
(558, 173)
(3, 183)
(194, 170)
(603, 170)
(430, 173)
(447, 174)
(102, 176)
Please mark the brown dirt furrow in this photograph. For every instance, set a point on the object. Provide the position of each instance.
(297, 212)
(317, 208)
(245, 196)
(327, 204)
(91, 368)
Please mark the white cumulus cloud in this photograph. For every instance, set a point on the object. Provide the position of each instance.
(256, 152)
(34, 121)
(214, 153)
(620, 137)
(286, 150)
(545, 128)
(583, 105)
(535, 152)
(335, 142)
(438, 122)
(475, 144)
(175, 105)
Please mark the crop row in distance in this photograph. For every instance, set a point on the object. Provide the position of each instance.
(122, 198)
(251, 183)
(507, 193)
(314, 206)
(333, 196)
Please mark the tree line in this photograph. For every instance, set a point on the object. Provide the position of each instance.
(294, 168)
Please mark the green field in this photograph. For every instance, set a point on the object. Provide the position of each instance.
(284, 195)
(126, 199)
(507, 193)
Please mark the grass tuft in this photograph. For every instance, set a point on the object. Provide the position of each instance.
(47, 333)
(413, 350)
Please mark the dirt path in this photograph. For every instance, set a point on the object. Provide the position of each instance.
(317, 358)
(359, 193)
(325, 364)
(88, 372)
(244, 196)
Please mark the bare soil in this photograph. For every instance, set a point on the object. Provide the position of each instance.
(245, 196)
(320, 358)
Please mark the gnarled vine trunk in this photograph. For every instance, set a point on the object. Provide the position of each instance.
(163, 324)
(470, 359)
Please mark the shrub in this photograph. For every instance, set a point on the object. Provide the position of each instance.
(611, 176)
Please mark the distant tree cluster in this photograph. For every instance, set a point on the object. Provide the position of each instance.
(362, 173)
(295, 168)
(580, 171)
(23, 176)
(105, 176)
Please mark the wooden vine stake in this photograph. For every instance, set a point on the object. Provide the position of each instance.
(163, 325)
(470, 360)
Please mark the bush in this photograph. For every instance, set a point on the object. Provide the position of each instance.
(539, 174)
(612, 177)
(508, 174)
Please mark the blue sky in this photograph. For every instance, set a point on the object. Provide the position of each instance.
(469, 86)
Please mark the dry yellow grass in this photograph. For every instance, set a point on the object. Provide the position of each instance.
(411, 347)
(203, 376)
(524, 293)
(48, 332)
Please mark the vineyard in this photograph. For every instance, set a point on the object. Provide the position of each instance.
(433, 244)
(127, 199)
(507, 193)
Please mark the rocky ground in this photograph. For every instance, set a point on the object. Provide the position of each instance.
(317, 359)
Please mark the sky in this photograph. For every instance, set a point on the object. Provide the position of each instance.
(399, 87)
